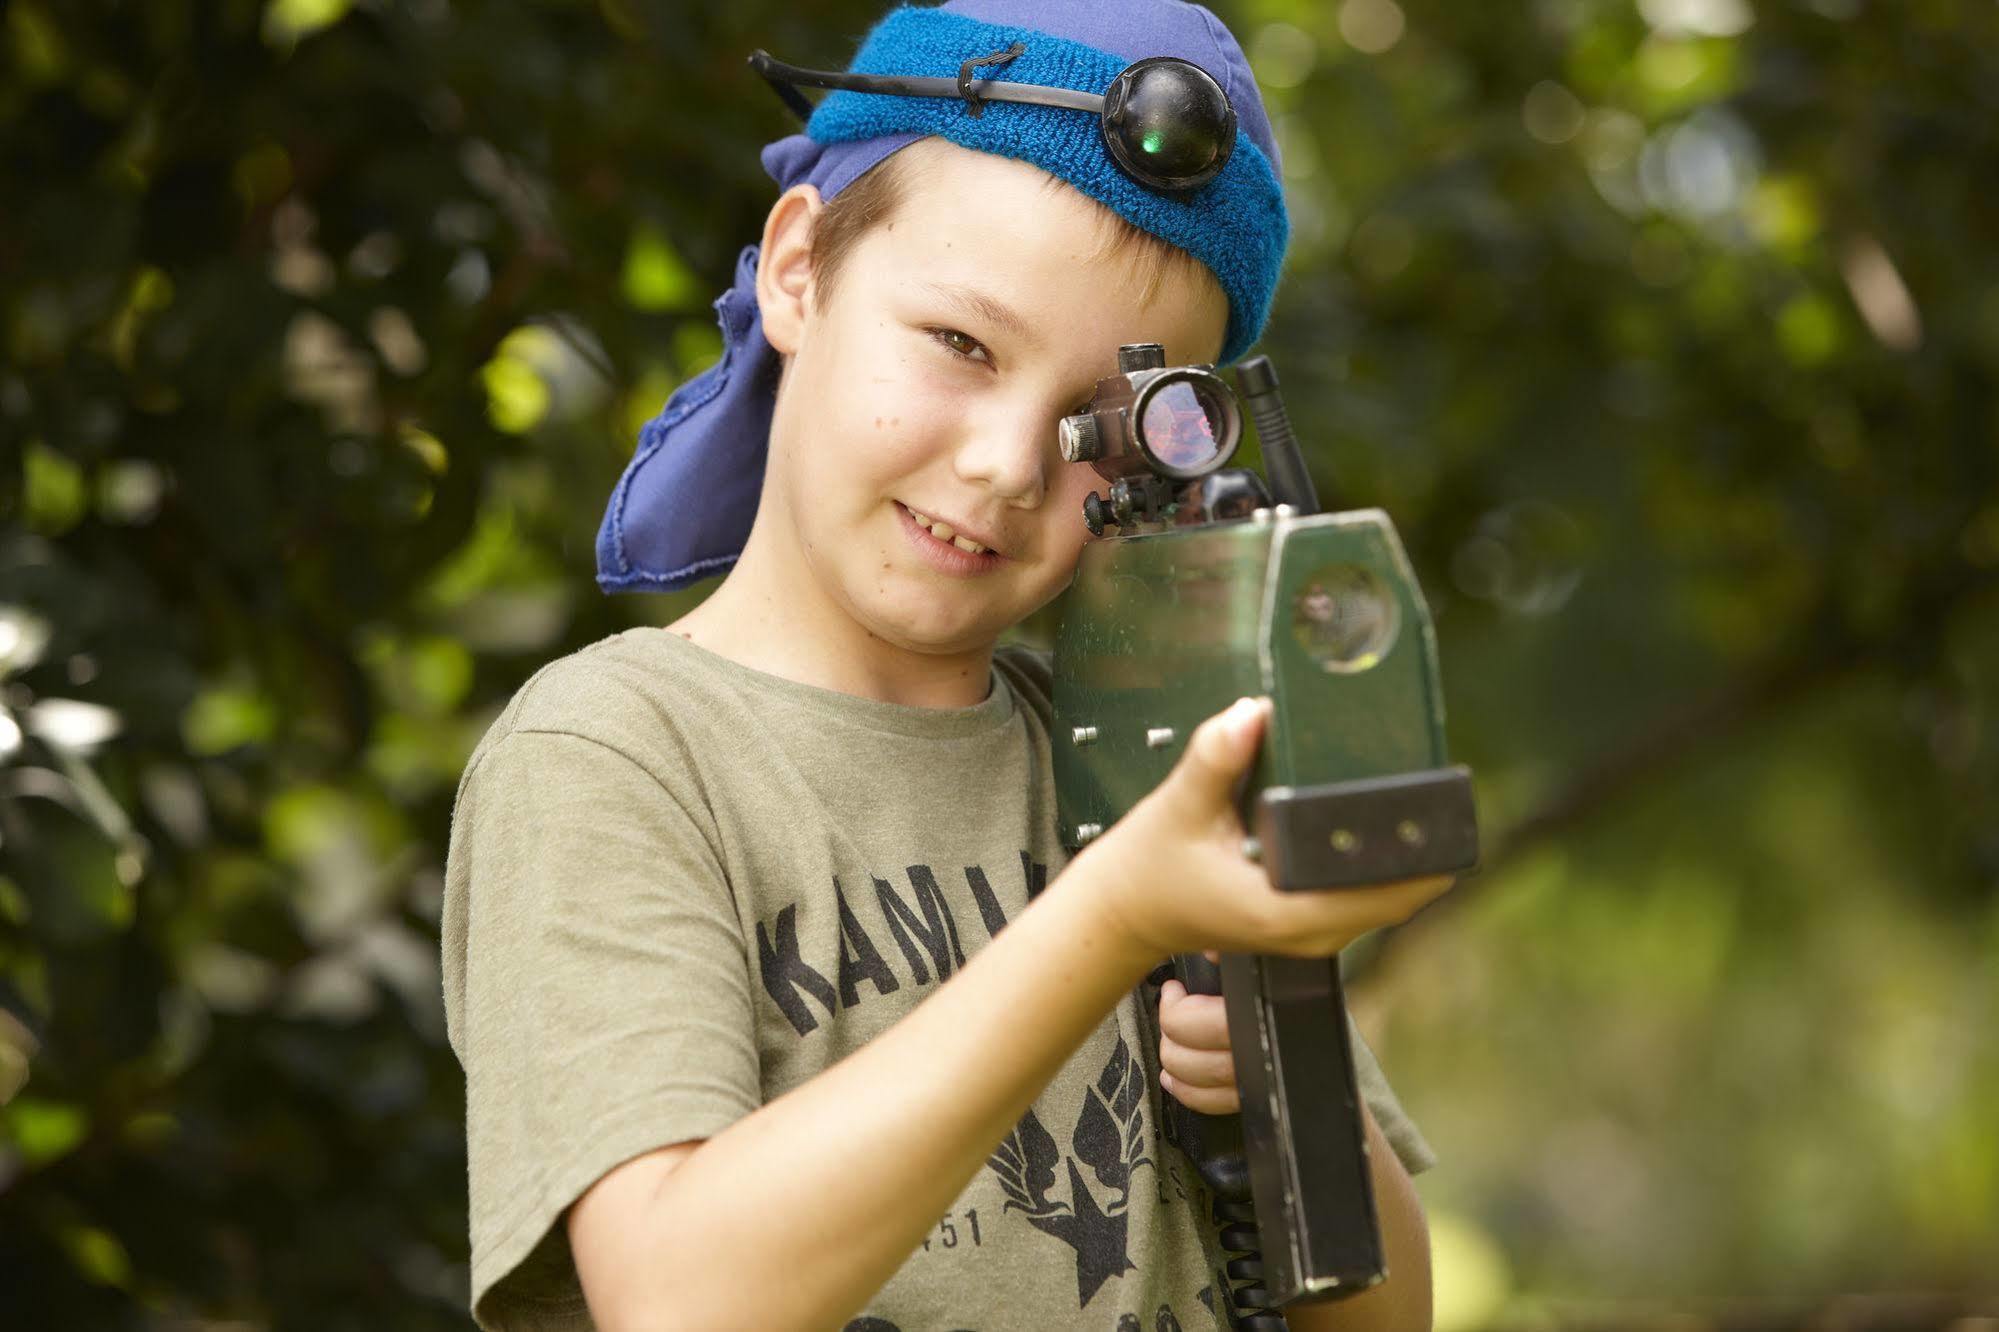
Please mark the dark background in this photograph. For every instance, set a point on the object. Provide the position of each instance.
(1667, 332)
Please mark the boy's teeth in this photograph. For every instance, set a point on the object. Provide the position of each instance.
(946, 532)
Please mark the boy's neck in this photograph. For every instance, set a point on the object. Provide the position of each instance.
(783, 627)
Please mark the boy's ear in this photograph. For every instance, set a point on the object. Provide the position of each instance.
(784, 266)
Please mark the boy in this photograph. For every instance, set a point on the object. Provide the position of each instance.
(777, 1004)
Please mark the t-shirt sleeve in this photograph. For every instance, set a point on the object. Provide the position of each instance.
(599, 997)
(1411, 1148)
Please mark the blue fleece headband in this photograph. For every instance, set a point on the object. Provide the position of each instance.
(1235, 224)
(684, 506)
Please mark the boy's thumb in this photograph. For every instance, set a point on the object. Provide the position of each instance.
(1219, 753)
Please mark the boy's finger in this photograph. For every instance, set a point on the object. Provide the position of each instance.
(1206, 1100)
(1217, 754)
(1198, 1021)
(1365, 908)
(1196, 1068)
(1410, 895)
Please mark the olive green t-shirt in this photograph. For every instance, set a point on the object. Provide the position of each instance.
(678, 887)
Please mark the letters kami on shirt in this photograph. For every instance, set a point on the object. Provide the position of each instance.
(916, 924)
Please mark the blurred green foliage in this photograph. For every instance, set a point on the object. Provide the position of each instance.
(1668, 332)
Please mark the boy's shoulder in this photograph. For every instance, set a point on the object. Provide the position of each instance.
(621, 692)
(649, 696)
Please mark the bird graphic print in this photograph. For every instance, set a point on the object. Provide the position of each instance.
(1109, 1137)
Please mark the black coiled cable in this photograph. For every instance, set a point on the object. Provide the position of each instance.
(1250, 1309)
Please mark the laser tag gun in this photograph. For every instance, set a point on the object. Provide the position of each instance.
(1214, 587)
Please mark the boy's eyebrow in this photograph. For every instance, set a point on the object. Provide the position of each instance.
(985, 307)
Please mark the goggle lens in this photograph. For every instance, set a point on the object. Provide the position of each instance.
(1168, 123)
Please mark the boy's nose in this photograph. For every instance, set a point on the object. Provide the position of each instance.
(1010, 457)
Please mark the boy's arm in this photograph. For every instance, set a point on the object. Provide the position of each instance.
(797, 1213)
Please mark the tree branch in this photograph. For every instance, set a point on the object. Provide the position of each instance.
(1675, 741)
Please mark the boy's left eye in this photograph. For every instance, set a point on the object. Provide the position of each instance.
(963, 344)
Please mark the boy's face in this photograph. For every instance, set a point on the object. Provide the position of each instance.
(911, 394)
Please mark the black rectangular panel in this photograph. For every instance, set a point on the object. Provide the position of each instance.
(1374, 830)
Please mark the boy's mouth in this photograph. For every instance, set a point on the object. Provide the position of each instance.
(944, 532)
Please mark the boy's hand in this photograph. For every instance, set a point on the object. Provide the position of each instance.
(1172, 878)
(1196, 1066)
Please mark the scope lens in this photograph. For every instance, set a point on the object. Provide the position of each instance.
(1185, 428)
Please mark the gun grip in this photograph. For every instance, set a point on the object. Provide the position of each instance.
(1199, 975)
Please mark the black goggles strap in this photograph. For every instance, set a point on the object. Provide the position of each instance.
(785, 80)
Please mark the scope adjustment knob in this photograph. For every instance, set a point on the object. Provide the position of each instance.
(1079, 440)
(1094, 516)
(1124, 504)
(1140, 356)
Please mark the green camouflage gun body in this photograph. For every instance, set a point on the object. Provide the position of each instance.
(1159, 631)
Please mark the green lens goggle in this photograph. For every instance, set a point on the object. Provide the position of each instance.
(1166, 122)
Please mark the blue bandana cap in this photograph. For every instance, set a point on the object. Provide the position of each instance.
(683, 509)
(1236, 224)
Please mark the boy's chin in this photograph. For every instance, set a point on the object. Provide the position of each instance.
(924, 631)
(940, 641)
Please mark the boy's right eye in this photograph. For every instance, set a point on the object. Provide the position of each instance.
(962, 344)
